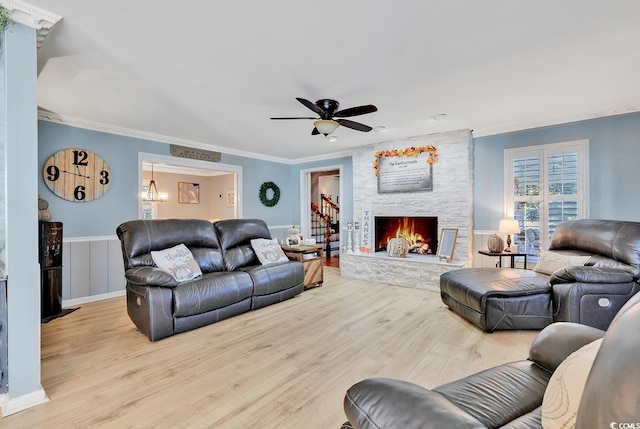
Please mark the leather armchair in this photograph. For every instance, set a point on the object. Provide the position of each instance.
(594, 293)
(511, 298)
(510, 395)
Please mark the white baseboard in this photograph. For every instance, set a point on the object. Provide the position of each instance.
(20, 403)
(92, 298)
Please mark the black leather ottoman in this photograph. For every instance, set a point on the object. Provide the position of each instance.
(498, 298)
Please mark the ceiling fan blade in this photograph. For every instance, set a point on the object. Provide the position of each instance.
(355, 111)
(295, 118)
(354, 125)
(311, 106)
(315, 132)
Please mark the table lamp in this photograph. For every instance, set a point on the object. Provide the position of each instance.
(509, 226)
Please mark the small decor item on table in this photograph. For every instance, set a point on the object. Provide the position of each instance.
(398, 247)
(495, 243)
(43, 210)
(293, 236)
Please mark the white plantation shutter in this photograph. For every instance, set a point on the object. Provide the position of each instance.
(545, 186)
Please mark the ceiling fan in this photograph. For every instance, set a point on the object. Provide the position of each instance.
(327, 109)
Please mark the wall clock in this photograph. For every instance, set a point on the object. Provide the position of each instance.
(77, 175)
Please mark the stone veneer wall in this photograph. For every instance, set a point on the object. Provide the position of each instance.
(450, 200)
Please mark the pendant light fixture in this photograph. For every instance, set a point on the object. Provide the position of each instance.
(152, 195)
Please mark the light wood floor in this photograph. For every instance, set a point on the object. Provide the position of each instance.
(284, 366)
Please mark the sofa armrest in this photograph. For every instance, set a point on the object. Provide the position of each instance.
(387, 403)
(150, 276)
(558, 340)
(582, 274)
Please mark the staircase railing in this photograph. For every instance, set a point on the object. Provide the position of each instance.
(329, 216)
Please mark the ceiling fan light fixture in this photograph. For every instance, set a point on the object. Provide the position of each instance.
(326, 127)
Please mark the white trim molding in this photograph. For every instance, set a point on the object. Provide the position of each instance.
(194, 163)
(566, 119)
(93, 298)
(144, 135)
(32, 16)
(20, 403)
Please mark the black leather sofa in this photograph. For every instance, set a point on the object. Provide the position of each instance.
(591, 294)
(511, 395)
(232, 281)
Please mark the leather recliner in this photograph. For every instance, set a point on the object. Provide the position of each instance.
(512, 298)
(232, 281)
(510, 395)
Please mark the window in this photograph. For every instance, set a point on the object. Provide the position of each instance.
(545, 186)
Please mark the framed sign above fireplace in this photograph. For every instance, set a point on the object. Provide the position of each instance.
(408, 170)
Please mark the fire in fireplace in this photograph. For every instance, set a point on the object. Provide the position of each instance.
(420, 231)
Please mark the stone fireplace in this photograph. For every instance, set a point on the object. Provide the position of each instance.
(450, 201)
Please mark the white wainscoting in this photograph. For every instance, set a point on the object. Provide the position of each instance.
(280, 232)
(92, 269)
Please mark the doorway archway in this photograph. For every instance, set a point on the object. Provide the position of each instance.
(178, 165)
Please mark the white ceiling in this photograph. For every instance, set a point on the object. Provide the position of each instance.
(213, 73)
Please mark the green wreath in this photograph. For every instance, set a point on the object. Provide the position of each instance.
(263, 194)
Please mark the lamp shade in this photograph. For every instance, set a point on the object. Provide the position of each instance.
(326, 127)
(509, 226)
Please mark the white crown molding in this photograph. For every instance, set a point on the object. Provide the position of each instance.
(26, 14)
(491, 131)
(128, 132)
(481, 132)
(323, 157)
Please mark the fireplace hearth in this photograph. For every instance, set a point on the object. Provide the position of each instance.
(420, 231)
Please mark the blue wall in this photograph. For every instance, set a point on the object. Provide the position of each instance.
(120, 203)
(254, 173)
(614, 150)
(23, 282)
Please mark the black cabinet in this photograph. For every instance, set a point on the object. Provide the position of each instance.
(50, 256)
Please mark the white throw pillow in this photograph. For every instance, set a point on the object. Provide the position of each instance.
(550, 262)
(564, 391)
(268, 251)
(177, 261)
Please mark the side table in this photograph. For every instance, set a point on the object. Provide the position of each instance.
(501, 254)
(311, 258)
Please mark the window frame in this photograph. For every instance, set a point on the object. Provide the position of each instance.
(543, 152)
